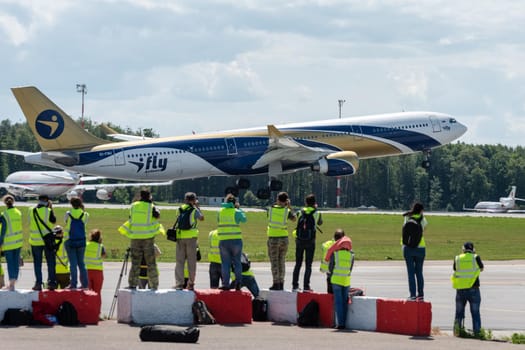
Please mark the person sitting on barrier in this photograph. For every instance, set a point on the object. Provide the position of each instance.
(229, 218)
(465, 279)
(248, 277)
(277, 232)
(143, 275)
(214, 257)
(11, 240)
(95, 252)
(341, 261)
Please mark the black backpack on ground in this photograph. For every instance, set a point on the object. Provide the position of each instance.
(412, 232)
(67, 315)
(309, 316)
(306, 226)
(17, 317)
(259, 309)
(201, 314)
(167, 333)
(184, 219)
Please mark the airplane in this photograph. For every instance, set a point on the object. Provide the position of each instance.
(331, 147)
(57, 183)
(505, 204)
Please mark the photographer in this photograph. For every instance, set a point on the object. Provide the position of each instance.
(40, 218)
(278, 215)
(11, 238)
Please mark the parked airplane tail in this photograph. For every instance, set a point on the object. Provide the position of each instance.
(52, 127)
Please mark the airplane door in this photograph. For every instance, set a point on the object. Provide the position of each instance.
(118, 156)
(231, 146)
(436, 126)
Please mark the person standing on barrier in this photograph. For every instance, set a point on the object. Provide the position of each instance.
(214, 257)
(187, 233)
(341, 261)
(414, 250)
(95, 253)
(141, 228)
(76, 221)
(467, 267)
(11, 239)
(248, 277)
(308, 219)
(40, 218)
(278, 216)
(143, 276)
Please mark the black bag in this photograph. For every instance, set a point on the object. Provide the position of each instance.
(245, 262)
(201, 314)
(306, 226)
(67, 315)
(174, 334)
(412, 232)
(356, 292)
(259, 309)
(17, 317)
(172, 234)
(309, 316)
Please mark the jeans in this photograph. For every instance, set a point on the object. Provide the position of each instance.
(473, 296)
(306, 249)
(414, 258)
(340, 303)
(250, 283)
(215, 274)
(231, 250)
(76, 260)
(38, 251)
(12, 258)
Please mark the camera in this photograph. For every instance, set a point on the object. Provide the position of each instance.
(58, 232)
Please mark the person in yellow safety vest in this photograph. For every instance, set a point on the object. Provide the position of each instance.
(95, 253)
(278, 216)
(62, 266)
(341, 262)
(141, 228)
(11, 239)
(248, 277)
(40, 218)
(415, 257)
(465, 279)
(214, 257)
(143, 275)
(229, 218)
(76, 221)
(187, 233)
(323, 267)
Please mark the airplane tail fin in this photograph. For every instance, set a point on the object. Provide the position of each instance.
(512, 193)
(52, 127)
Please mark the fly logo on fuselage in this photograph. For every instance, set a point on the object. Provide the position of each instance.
(151, 164)
(49, 124)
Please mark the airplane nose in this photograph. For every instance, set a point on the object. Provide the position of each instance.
(461, 129)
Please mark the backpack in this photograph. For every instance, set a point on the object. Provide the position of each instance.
(77, 231)
(201, 314)
(67, 314)
(259, 309)
(412, 232)
(309, 316)
(245, 262)
(306, 226)
(17, 317)
(184, 219)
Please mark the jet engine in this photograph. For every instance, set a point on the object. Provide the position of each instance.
(104, 194)
(337, 164)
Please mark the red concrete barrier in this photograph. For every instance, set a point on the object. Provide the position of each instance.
(227, 306)
(404, 317)
(86, 302)
(326, 306)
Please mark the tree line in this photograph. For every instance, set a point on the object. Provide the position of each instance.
(460, 175)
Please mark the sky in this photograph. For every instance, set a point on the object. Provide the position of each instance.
(193, 66)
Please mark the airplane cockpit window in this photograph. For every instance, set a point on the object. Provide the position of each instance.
(452, 121)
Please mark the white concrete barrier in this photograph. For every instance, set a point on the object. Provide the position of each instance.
(17, 299)
(362, 314)
(282, 306)
(163, 306)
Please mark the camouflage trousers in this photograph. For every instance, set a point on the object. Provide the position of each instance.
(143, 248)
(277, 249)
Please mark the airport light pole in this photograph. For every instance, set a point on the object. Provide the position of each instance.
(338, 189)
(340, 106)
(82, 88)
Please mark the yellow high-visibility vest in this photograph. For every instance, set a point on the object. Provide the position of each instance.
(214, 254)
(228, 228)
(93, 256)
(341, 274)
(467, 271)
(277, 221)
(14, 236)
(142, 224)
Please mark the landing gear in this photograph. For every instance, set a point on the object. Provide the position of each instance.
(264, 193)
(243, 184)
(425, 164)
(233, 190)
(274, 186)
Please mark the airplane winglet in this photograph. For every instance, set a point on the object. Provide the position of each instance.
(273, 132)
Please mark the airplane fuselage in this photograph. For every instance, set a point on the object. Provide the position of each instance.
(51, 183)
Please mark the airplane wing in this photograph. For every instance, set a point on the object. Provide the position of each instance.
(16, 188)
(123, 137)
(284, 149)
(93, 187)
(15, 152)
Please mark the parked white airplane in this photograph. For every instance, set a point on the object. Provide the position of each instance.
(58, 183)
(504, 205)
(331, 147)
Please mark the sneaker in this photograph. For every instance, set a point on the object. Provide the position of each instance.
(307, 289)
(421, 298)
(177, 287)
(296, 290)
(69, 286)
(411, 298)
(274, 286)
(224, 288)
(37, 286)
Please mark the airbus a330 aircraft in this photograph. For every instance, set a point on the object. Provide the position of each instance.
(58, 183)
(505, 204)
(331, 147)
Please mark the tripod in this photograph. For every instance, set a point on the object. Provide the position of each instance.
(123, 271)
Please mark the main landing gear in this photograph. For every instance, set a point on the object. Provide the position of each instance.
(425, 164)
(262, 193)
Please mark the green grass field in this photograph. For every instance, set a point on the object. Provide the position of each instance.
(374, 237)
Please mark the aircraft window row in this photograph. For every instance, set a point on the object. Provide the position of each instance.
(255, 143)
(162, 153)
(209, 148)
(413, 126)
